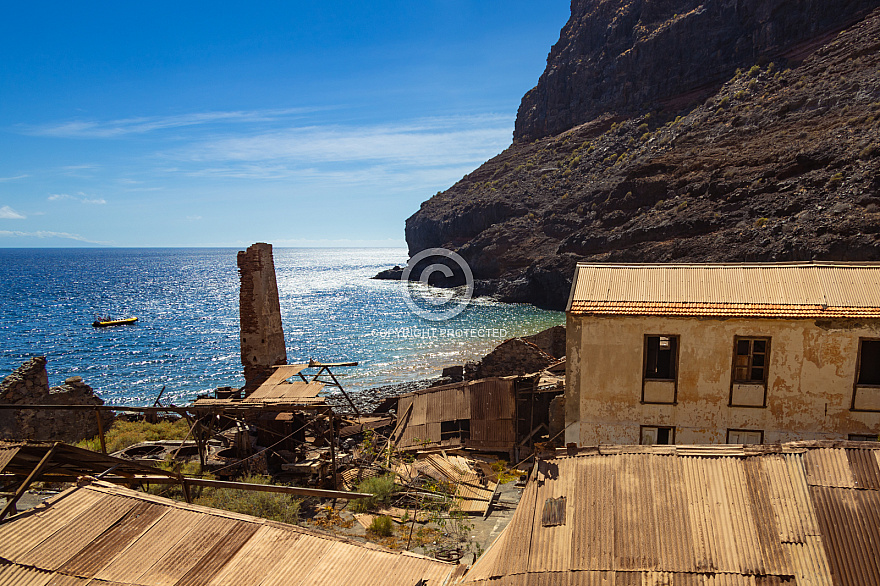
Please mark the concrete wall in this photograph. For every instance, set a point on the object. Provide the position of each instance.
(812, 371)
(262, 336)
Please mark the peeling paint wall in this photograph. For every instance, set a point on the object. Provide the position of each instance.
(812, 371)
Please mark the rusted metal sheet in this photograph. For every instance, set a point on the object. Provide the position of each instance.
(707, 517)
(100, 533)
(791, 290)
(850, 526)
(13, 575)
(488, 405)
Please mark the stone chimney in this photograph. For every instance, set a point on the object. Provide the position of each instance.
(262, 337)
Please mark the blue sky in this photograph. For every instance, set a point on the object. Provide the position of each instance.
(222, 124)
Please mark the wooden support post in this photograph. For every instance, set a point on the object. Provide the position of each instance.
(35, 473)
(333, 451)
(101, 432)
(184, 484)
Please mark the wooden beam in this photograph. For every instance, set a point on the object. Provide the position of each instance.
(35, 473)
(101, 431)
(295, 490)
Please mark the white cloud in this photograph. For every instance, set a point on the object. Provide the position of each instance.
(423, 154)
(80, 197)
(431, 142)
(145, 124)
(46, 234)
(7, 213)
(4, 179)
(193, 218)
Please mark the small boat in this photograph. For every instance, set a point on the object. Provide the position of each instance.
(106, 322)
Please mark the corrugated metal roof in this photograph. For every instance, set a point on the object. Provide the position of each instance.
(100, 533)
(649, 515)
(770, 290)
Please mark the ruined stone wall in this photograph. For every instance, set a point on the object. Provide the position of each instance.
(515, 356)
(29, 385)
(262, 336)
(551, 341)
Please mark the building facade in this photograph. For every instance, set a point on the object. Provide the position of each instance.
(713, 354)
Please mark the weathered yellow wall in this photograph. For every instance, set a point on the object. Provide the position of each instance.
(809, 385)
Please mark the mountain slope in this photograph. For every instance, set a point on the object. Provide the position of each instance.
(779, 163)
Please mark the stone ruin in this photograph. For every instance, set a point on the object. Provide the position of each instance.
(515, 356)
(29, 385)
(551, 341)
(262, 336)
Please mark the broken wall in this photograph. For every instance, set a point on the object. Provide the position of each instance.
(29, 385)
(262, 335)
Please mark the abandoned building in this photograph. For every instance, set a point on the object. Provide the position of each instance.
(797, 514)
(497, 414)
(723, 353)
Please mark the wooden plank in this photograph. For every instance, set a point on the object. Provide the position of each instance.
(328, 494)
(10, 504)
(6, 456)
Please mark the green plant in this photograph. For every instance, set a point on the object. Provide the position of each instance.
(267, 505)
(755, 70)
(835, 181)
(761, 222)
(382, 526)
(724, 101)
(740, 94)
(128, 433)
(381, 487)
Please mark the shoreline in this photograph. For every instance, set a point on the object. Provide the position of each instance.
(367, 400)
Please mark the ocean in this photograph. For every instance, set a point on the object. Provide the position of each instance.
(187, 336)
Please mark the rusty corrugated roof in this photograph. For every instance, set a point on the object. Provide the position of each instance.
(102, 534)
(801, 513)
(804, 290)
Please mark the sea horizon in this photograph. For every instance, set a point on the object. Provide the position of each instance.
(187, 337)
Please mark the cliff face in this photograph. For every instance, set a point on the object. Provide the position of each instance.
(632, 56)
(645, 156)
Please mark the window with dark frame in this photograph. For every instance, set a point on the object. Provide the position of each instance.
(661, 353)
(869, 362)
(657, 435)
(459, 428)
(862, 437)
(750, 360)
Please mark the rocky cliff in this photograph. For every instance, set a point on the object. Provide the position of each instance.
(727, 130)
